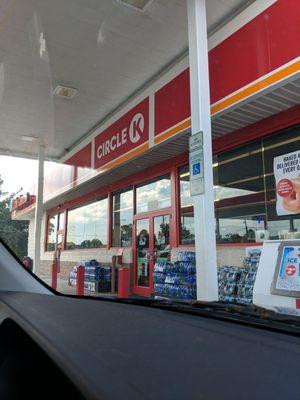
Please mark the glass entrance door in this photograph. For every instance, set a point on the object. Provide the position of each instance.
(143, 253)
(161, 227)
(152, 243)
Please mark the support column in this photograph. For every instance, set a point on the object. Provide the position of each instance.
(39, 212)
(205, 237)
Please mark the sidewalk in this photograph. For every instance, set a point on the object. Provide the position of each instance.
(63, 287)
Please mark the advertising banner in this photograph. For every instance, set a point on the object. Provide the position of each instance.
(125, 134)
(287, 273)
(287, 177)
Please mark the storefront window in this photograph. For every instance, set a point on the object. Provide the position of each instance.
(162, 250)
(239, 195)
(246, 206)
(52, 230)
(187, 231)
(87, 226)
(154, 195)
(283, 213)
(122, 218)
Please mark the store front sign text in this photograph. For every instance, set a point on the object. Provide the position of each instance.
(128, 132)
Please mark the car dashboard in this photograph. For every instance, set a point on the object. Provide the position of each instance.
(64, 347)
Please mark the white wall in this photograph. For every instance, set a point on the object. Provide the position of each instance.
(231, 255)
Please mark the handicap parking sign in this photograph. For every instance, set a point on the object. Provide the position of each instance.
(197, 172)
(196, 169)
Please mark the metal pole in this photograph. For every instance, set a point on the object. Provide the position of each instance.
(205, 236)
(39, 212)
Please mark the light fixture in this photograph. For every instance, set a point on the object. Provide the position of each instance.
(140, 5)
(65, 92)
(26, 138)
(184, 174)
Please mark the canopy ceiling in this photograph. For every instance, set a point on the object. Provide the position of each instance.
(103, 48)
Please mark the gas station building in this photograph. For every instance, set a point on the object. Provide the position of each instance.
(126, 185)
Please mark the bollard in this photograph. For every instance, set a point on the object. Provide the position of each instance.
(80, 281)
(54, 274)
(123, 283)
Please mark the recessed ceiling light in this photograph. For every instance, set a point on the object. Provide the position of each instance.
(29, 138)
(65, 91)
(138, 4)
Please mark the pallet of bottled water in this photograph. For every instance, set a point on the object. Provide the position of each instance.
(236, 284)
(176, 280)
(97, 277)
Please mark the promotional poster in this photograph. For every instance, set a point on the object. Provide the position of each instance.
(287, 177)
(287, 274)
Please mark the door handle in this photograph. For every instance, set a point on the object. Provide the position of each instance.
(154, 256)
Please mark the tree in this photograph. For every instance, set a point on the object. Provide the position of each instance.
(14, 233)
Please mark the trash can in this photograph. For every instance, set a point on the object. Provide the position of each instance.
(28, 262)
(123, 282)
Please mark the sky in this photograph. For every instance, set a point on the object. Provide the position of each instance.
(17, 173)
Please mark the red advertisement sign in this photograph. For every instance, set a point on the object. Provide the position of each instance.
(127, 133)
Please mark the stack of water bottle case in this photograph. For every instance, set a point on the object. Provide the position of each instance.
(235, 283)
(97, 277)
(176, 280)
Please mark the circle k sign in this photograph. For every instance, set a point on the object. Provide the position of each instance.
(128, 132)
(136, 128)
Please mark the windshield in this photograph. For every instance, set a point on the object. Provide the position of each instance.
(150, 149)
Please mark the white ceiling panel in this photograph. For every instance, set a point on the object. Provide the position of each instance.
(106, 50)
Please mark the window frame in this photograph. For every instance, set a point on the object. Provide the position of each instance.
(111, 217)
(156, 178)
(168, 167)
(180, 244)
(46, 241)
(227, 201)
(171, 167)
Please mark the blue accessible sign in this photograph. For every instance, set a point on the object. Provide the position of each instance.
(196, 169)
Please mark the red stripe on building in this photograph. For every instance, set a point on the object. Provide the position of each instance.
(172, 102)
(265, 43)
(82, 158)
